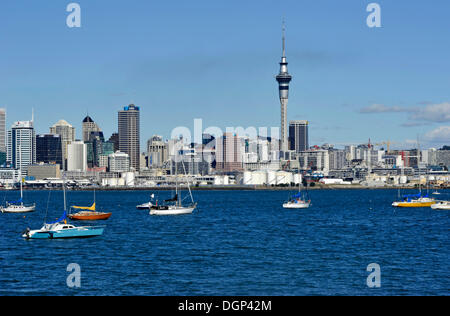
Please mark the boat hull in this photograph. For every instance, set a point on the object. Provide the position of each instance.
(145, 206)
(413, 204)
(296, 205)
(90, 216)
(172, 211)
(441, 206)
(18, 209)
(79, 232)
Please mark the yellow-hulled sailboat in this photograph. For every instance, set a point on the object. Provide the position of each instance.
(415, 200)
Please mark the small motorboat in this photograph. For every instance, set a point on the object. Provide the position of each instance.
(441, 205)
(436, 193)
(145, 206)
(60, 229)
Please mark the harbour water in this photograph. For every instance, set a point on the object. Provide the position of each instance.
(236, 243)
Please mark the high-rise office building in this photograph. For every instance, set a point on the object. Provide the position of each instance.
(157, 151)
(77, 156)
(21, 145)
(298, 136)
(95, 148)
(229, 153)
(2, 130)
(129, 130)
(284, 78)
(67, 133)
(89, 126)
(119, 162)
(115, 140)
(49, 149)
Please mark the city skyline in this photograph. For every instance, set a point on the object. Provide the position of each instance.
(349, 79)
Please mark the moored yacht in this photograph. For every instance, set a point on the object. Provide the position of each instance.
(441, 205)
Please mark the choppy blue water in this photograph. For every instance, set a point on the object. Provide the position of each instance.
(237, 243)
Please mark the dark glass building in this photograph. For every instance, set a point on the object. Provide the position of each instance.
(49, 149)
(298, 136)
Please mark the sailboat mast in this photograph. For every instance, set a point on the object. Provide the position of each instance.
(64, 191)
(189, 187)
(176, 182)
(20, 171)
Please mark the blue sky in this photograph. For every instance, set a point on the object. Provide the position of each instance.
(216, 60)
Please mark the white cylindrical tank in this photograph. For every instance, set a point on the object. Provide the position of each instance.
(271, 177)
(297, 178)
(247, 178)
(260, 177)
(403, 179)
(128, 178)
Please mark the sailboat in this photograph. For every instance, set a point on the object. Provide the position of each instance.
(60, 229)
(88, 213)
(18, 206)
(415, 200)
(299, 200)
(174, 206)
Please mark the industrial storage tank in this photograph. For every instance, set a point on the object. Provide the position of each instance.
(297, 178)
(271, 177)
(128, 179)
(247, 180)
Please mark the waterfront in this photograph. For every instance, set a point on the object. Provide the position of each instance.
(236, 243)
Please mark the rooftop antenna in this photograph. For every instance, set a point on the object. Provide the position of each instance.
(284, 37)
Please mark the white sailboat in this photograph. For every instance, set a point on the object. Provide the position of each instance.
(298, 200)
(174, 206)
(18, 206)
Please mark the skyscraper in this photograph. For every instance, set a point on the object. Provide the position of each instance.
(298, 136)
(284, 78)
(67, 133)
(21, 145)
(129, 131)
(49, 149)
(229, 153)
(157, 151)
(89, 126)
(77, 156)
(3, 130)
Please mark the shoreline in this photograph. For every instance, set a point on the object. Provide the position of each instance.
(236, 188)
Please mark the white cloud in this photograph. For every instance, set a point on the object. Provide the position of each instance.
(439, 135)
(381, 108)
(439, 113)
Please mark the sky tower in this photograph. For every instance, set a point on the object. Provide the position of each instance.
(284, 78)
